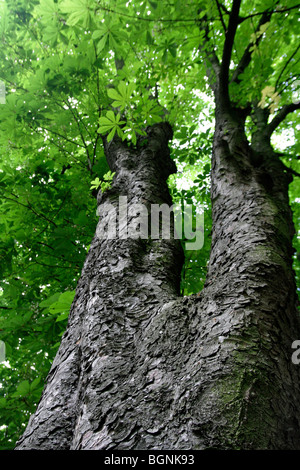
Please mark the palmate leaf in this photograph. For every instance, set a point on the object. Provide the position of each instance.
(95, 183)
(102, 43)
(112, 93)
(59, 304)
(79, 11)
(22, 389)
(47, 10)
(109, 34)
(51, 35)
(123, 96)
(111, 124)
(51, 300)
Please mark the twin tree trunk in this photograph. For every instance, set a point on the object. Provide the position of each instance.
(140, 367)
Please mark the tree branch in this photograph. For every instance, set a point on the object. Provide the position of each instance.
(210, 54)
(285, 66)
(58, 134)
(280, 116)
(287, 82)
(81, 135)
(283, 10)
(227, 51)
(293, 172)
(246, 58)
(141, 18)
(29, 207)
(221, 16)
(65, 151)
(224, 9)
(53, 266)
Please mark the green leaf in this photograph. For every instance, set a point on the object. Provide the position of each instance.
(111, 134)
(108, 176)
(165, 56)
(51, 300)
(102, 43)
(153, 4)
(149, 38)
(110, 124)
(122, 97)
(22, 389)
(112, 93)
(35, 383)
(63, 304)
(173, 50)
(62, 317)
(111, 116)
(47, 10)
(78, 11)
(95, 183)
(3, 402)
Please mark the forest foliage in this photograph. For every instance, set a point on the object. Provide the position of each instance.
(76, 70)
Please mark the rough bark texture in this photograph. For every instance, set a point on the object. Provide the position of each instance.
(140, 367)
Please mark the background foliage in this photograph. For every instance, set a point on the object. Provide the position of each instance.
(75, 70)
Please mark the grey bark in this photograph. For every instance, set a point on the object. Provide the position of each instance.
(140, 367)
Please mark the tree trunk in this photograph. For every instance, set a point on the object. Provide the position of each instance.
(141, 368)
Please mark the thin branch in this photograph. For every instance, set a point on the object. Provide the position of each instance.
(58, 257)
(210, 54)
(59, 146)
(45, 244)
(81, 134)
(62, 149)
(246, 57)
(160, 20)
(98, 84)
(95, 147)
(287, 82)
(53, 266)
(221, 16)
(149, 20)
(280, 116)
(224, 9)
(13, 84)
(29, 207)
(293, 172)
(58, 134)
(242, 19)
(61, 205)
(285, 66)
(54, 215)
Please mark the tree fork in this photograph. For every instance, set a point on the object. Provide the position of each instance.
(140, 367)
